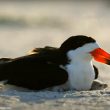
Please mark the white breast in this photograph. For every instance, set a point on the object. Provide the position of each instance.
(80, 71)
(81, 76)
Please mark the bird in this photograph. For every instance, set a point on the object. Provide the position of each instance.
(68, 67)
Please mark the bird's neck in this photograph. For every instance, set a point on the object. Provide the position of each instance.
(81, 72)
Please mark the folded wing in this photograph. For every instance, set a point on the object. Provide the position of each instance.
(36, 71)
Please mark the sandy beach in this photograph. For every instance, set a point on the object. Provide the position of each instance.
(13, 99)
(26, 25)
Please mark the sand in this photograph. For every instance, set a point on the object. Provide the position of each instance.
(14, 99)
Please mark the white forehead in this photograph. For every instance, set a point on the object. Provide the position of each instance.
(84, 49)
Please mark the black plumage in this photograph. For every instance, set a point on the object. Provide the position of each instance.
(42, 69)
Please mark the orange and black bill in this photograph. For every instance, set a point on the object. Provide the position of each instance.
(101, 56)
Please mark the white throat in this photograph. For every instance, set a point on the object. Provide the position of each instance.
(81, 74)
(80, 69)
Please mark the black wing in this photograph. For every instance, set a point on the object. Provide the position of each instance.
(96, 71)
(37, 71)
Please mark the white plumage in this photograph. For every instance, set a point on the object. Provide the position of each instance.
(80, 69)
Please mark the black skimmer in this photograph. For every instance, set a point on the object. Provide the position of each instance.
(69, 67)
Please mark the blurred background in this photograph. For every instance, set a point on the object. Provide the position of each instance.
(26, 24)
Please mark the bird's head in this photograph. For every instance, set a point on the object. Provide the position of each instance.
(84, 47)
